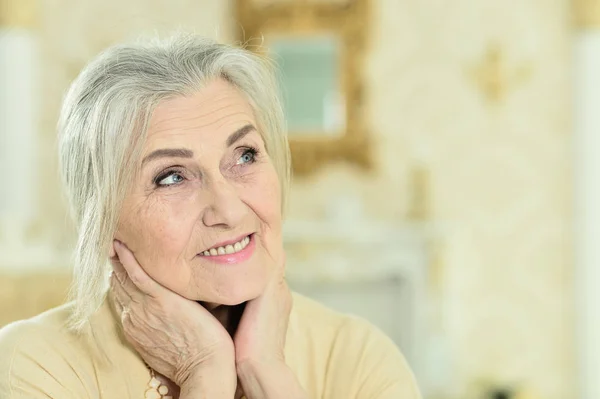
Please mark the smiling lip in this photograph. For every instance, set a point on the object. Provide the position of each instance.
(233, 241)
(233, 258)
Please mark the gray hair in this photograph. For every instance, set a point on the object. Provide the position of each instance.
(103, 124)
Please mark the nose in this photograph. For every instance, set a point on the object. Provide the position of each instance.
(225, 207)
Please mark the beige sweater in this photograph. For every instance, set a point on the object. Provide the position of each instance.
(333, 356)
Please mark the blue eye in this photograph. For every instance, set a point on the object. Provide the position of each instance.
(249, 156)
(169, 179)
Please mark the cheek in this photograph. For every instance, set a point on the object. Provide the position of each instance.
(157, 229)
(263, 196)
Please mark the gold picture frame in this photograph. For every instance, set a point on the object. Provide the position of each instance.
(348, 22)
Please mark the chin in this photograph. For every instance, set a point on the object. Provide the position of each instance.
(234, 292)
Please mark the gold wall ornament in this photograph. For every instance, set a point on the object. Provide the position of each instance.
(587, 13)
(346, 24)
(493, 76)
(18, 13)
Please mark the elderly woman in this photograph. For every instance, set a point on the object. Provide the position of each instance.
(176, 165)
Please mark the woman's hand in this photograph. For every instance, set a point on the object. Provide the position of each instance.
(177, 337)
(260, 343)
(260, 336)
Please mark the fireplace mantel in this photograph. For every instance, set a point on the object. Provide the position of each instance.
(375, 270)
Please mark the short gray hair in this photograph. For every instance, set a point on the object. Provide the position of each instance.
(103, 125)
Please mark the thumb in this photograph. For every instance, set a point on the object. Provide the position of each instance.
(135, 272)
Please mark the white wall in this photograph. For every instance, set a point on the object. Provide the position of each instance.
(19, 109)
(587, 207)
(499, 173)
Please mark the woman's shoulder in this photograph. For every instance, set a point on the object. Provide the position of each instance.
(37, 356)
(313, 321)
(352, 353)
(49, 325)
(39, 337)
(305, 308)
(311, 314)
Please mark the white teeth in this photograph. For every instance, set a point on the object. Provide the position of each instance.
(228, 249)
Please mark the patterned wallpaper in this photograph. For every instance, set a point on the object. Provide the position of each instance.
(499, 175)
(498, 164)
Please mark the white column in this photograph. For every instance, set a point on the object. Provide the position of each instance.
(586, 74)
(18, 129)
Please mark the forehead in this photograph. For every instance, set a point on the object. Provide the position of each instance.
(217, 107)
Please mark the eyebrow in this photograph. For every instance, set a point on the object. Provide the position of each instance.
(185, 153)
(168, 153)
(239, 134)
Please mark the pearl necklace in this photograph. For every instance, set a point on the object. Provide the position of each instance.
(156, 389)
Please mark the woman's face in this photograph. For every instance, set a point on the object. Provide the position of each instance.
(203, 217)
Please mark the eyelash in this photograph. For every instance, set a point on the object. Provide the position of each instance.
(254, 152)
(166, 174)
(250, 151)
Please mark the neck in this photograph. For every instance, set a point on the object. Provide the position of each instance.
(228, 316)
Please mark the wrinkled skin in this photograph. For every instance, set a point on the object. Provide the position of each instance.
(177, 306)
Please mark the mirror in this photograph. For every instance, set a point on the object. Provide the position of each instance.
(319, 47)
(310, 78)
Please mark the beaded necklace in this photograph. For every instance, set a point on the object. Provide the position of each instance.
(156, 389)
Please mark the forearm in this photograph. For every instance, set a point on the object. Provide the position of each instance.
(261, 381)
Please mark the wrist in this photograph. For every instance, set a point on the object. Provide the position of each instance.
(210, 382)
(268, 380)
(195, 368)
(259, 367)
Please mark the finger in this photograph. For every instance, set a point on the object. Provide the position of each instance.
(117, 300)
(119, 308)
(120, 304)
(119, 292)
(122, 300)
(116, 263)
(118, 270)
(136, 273)
(125, 282)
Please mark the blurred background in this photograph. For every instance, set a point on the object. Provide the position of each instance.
(447, 181)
